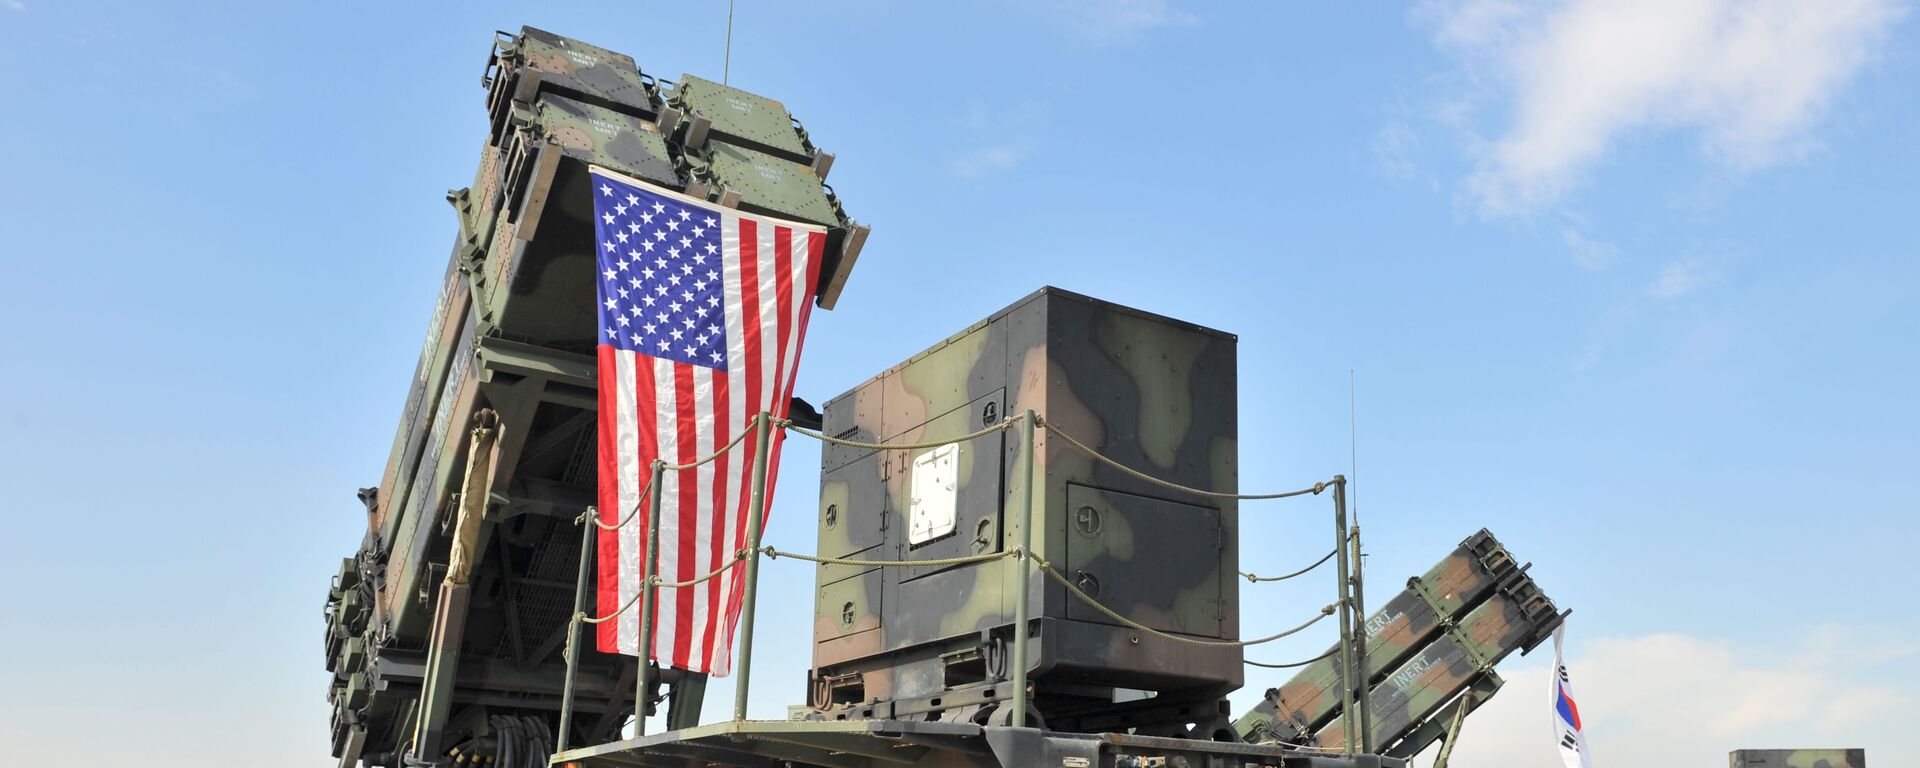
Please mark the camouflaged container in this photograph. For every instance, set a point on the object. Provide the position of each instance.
(1154, 393)
(1798, 758)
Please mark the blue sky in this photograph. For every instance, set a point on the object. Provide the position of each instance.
(1632, 284)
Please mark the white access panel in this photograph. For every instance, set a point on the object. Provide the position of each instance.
(934, 490)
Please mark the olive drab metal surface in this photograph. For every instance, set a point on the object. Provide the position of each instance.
(1798, 758)
(1431, 644)
(931, 640)
(509, 343)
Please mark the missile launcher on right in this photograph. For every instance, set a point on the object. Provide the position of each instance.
(1426, 648)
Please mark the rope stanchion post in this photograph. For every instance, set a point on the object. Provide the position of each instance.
(587, 530)
(1347, 671)
(756, 514)
(1365, 699)
(1023, 584)
(648, 570)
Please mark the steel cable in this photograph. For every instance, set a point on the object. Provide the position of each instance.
(1317, 563)
(1316, 488)
(1330, 652)
(787, 424)
(1115, 615)
(777, 554)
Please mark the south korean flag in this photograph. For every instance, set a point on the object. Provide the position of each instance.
(1566, 716)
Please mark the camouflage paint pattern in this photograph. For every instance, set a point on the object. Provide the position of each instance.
(1798, 758)
(744, 119)
(1155, 394)
(511, 331)
(1407, 622)
(1516, 615)
(537, 62)
(766, 183)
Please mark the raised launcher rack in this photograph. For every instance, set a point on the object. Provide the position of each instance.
(417, 674)
(1430, 649)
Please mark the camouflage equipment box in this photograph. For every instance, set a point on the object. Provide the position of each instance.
(1798, 758)
(1154, 393)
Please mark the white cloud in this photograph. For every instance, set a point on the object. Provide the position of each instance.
(1118, 20)
(987, 160)
(1679, 278)
(1751, 78)
(1393, 150)
(16, 5)
(1591, 254)
(1002, 137)
(1680, 700)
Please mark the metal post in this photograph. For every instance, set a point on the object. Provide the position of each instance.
(756, 512)
(1365, 675)
(647, 569)
(1023, 584)
(1346, 611)
(1453, 731)
(587, 529)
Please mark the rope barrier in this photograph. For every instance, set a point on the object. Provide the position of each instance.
(1112, 614)
(1330, 652)
(616, 614)
(711, 456)
(775, 554)
(1315, 489)
(631, 514)
(788, 424)
(738, 558)
(648, 488)
(1317, 563)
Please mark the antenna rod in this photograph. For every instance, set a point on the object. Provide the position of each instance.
(1353, 445)
(726, 62)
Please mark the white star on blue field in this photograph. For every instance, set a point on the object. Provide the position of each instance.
(661, 281)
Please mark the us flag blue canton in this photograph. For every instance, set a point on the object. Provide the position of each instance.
(702, 313)
(660, 274)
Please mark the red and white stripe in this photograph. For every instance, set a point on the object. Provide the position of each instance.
(663, 409)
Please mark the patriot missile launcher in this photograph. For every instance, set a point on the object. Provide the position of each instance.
(445, 630)
(1430, 649)
(448, 630)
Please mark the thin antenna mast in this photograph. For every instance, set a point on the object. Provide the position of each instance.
(1353, 445)
(726, 63)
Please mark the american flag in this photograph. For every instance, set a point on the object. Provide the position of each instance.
(702, 312)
